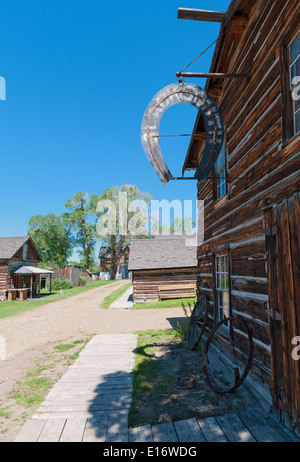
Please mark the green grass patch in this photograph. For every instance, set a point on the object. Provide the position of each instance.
(149, 382)
(64, 347)
(31, 392)
(4, 412)
(114, 295)
(171, 303)
(15, 307)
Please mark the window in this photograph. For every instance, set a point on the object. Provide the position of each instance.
(294, 51)
(25, 252)
(222, 288)
(290, 79)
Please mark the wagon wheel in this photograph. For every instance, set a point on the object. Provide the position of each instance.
(238, 378)
(197, 323)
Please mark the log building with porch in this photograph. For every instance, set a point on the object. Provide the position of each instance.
(249, 262)
(19, 272)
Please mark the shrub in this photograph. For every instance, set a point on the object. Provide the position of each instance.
(61, 284)
(83, 280)
(182, 328)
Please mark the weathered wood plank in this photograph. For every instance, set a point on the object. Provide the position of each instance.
(117, 430)
(52, 431)
(212, 431)
(140, 434)
(31, 431)
(164, 432)
(264, 429)
(200, 15)
(73, 430)
(95, 430)
(189, 431)
(234, 429)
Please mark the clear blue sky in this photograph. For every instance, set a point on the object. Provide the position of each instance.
(79, 77)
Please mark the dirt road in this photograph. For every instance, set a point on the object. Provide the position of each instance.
(32, 334)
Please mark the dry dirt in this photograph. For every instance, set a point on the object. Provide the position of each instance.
(31, 336)
(161, 400)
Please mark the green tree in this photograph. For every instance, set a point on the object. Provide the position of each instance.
(53, 237)
(80, 209)
(125, 211)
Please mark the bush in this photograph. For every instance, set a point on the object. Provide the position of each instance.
(182, 328)
(61, 284)
(83, 280)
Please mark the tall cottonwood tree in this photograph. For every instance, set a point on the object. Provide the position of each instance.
(129, 221)
(53, 237)
(80, 209)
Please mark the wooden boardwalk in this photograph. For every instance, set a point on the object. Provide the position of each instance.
(90, 403)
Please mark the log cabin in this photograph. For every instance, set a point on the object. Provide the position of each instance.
(249, 262)
(19, 259)
(73, 273)
(163, 267)
(121, 268)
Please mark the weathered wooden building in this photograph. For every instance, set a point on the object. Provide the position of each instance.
(164, 267)
(249, 262)
(121, 266)
(73, 273)
(19, 259)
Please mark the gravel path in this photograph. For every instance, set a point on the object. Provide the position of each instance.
(32, 334)
(75, 316)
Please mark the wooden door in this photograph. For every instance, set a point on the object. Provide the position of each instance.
(282, 226)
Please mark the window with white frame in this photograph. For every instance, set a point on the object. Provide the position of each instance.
(295, 79)
(221, 174)
(222, 288)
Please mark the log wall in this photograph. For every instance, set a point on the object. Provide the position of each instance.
(262, 171)
(146, 282)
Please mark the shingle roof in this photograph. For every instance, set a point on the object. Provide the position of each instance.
(10, 245)
(32, 269)
(162, 252)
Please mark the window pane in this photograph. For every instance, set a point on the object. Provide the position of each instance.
(297, 122)
(225, 305)
(218, 281)
(221, 160)
(295, 48)
(295, 69)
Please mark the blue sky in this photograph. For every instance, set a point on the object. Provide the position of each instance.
(79, 76)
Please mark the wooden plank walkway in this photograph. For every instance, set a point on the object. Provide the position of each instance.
(90, 403)
(239, 428)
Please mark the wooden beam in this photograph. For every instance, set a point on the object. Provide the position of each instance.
(212, 75)
(200, 15)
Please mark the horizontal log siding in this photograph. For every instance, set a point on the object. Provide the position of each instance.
(146, 283)
(3, 279)
(261, 172)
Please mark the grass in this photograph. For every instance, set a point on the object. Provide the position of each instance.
(149, 382)
(171, 303)
(4, 412)
(15, 307)
(31, 391)
(114, 295)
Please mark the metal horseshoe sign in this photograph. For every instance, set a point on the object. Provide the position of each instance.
(174, 94)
